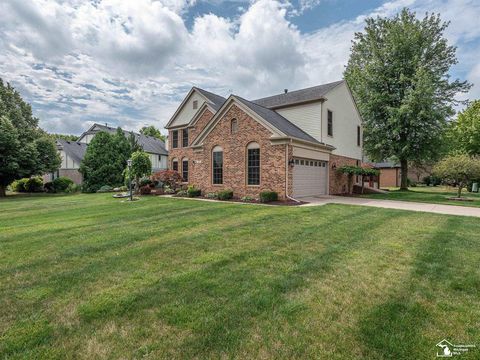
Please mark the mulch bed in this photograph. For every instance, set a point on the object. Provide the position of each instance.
(459, 199)
(275, 203)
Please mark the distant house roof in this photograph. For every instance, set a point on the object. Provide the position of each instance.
(297, 96)
(385, 165)
(73, 149)
(278, 121)
(149, 144)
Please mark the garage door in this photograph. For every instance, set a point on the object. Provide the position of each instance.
(309, 177)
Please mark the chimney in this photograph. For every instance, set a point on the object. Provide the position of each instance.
(286, 90)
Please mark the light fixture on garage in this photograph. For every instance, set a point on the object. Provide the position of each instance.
(334, 166)
(291, 162)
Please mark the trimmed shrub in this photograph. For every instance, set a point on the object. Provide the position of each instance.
(193, 191)
(61, 183)
(146, 181)
(211, 195)
(49, 187)
(145, 190)
(169, 178)
(225, 194)
(34, 184)
(268, 196)
(168, 190)
(19, 185)
(247, 199)
(105, 188)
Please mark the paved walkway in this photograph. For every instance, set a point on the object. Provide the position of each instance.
(393, 204)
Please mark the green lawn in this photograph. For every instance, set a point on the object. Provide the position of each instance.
(90, 277)
(436, 195)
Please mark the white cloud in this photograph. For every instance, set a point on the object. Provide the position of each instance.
(130, 62)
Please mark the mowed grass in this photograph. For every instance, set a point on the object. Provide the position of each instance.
(90, 277)
(435, 195)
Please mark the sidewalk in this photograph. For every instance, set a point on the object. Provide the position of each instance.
(393, 204)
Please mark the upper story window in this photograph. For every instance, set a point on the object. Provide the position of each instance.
(185, 170)
(175, 139)
(217, 165)
(359, 137)
(185, 137)
(234, 126)
(253, 164)
(329, 123)
(195, 104)
(175, 165)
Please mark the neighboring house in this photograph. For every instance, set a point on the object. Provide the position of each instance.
(390, 173)
(291, 143)
(72, 152)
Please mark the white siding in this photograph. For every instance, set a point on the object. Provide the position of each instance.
(158, 161)
(67, 161)
(86, 139)
(307, 117)
(187, 112)
(345, 122)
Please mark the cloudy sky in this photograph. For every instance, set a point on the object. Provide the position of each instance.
(130, 63)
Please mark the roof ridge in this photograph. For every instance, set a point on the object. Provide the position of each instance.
(298, 90)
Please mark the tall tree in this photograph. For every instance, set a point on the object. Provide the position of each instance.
(465, 131)
(152, 131)
(399, 74)
(24, 149)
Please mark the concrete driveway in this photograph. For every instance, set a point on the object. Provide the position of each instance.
(393, 204)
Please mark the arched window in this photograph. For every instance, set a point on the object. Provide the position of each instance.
(234, 126)
(185, 169)
(175, 164)
(217, 165)
(253, 164)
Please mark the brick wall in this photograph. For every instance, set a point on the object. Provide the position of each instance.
(389, 177)
(272, 157)
(338, 182)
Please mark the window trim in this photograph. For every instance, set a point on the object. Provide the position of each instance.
(185, 131)
(185, 160)
(216, 149)
(253, 146)
(174, 160)
(175, 139)
(329, 123)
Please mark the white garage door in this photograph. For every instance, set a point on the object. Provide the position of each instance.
(309, 177)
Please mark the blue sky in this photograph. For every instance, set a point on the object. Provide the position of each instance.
(129, 63)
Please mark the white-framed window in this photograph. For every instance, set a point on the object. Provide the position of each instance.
(234, 126)
(175, 164)
(329, 123)
(185, 169)
(217, 165)
(253, 164)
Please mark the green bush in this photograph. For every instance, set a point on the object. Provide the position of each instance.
(105, 188)
(268, 196)
(61, 183)
(247, 199)
(225, 194)
(182, 193)
(193, 191)
(72, 188)
(48, 187)
(34, 184)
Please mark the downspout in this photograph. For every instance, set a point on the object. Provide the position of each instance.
(286, 174)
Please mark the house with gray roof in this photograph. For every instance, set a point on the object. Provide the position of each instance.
(292, 142)
(72, 152)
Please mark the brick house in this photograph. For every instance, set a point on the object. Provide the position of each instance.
(290, 143)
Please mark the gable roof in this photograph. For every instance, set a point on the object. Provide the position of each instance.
(73, 149)
(278, 121)
(149, 144)
(297, 96)
(213, 100)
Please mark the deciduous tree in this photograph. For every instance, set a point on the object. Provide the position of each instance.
(399, 74)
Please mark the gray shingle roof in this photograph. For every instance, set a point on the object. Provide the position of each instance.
(297, 96)
(216, 101)
(149, 144)
(386, 164)
(278, 121)
(73, 149)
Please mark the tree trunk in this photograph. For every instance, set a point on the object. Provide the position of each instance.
(404, 174)
(459, 190)
(363, 183)
(350, 184)
(3, 192)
